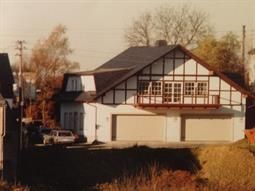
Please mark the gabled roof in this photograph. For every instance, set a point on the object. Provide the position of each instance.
(6, 77)
(136, 56)
(133, 60)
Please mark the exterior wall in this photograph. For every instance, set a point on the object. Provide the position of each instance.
(181, 70)
(173, 119)
(175, 67)
(88, 122)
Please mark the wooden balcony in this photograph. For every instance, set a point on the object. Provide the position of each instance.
(177, 101)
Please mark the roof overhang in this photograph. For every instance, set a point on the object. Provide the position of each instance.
(178, 106)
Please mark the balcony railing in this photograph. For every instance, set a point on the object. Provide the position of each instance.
(177, 100)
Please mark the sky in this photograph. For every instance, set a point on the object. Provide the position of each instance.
(96, 27)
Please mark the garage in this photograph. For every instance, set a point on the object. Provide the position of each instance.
(138, 127)
(206, 128)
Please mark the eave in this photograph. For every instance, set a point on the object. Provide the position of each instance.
(178, 106)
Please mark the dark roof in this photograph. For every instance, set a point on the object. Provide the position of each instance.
(6, 77)
(133, 60)
(75, 96)
(136, 56)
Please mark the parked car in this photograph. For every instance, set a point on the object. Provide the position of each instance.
(44, 133)
(59, 137)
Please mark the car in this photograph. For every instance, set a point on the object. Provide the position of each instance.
(59, 137)
(44, 134)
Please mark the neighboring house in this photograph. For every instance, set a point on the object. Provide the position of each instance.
(8, 124)
(162, 93)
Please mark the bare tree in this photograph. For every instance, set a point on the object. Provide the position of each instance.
(183, 25)
(140, 32)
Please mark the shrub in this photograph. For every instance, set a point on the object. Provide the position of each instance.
(228, 165)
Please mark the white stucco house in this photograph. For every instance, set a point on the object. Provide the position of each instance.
(161, 93)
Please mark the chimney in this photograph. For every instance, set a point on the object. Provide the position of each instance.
(161, 43)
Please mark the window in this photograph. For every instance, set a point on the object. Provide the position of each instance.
(72, 87)
(168, 92)
(189, 88)
(70, 121)
(156, 88)
(202, 88)
(143, 88)
(75, 121)
(195, 88)
(65, 120)
(81, 121)
(177, 92)
(76, 85)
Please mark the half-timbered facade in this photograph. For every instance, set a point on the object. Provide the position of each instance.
(154, 94)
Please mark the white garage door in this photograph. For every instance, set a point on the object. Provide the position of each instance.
(206, 128)
(138, 128)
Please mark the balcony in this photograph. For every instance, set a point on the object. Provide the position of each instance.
(177, 101)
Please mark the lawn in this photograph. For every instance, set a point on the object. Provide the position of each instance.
(221, 167)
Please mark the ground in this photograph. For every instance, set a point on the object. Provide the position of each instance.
(120, 166)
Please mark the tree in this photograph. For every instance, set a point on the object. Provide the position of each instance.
(50, 56)
(221, 53)
(184, 25)
(49, 61)
(140, 33)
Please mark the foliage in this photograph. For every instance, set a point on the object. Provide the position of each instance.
(221, 53)
(177, 25)
(50, 61)
(228, 165)
(50, 56)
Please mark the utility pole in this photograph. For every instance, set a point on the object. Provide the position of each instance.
(20, 47)
(245, 68)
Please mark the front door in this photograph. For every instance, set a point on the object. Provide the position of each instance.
(172, 92)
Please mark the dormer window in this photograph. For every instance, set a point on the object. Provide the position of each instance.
(74, 84)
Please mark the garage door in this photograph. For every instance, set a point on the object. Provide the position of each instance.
(138, 128)
(206, 128)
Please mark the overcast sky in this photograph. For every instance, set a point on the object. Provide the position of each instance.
(96, 27)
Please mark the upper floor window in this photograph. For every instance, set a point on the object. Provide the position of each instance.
(156, 88)
(74, 84)
(195, 88)
(201, 88)
(189, 88)
(143, 87)
(147, 87)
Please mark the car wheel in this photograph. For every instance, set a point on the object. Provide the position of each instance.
(51, 141)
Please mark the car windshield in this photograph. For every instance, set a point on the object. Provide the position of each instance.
(65, 134)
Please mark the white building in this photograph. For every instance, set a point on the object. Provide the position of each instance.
(162, 93)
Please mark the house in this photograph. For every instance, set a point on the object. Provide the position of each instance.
(8, 124)
(161, 93)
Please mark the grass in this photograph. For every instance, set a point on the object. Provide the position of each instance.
(226, 167)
